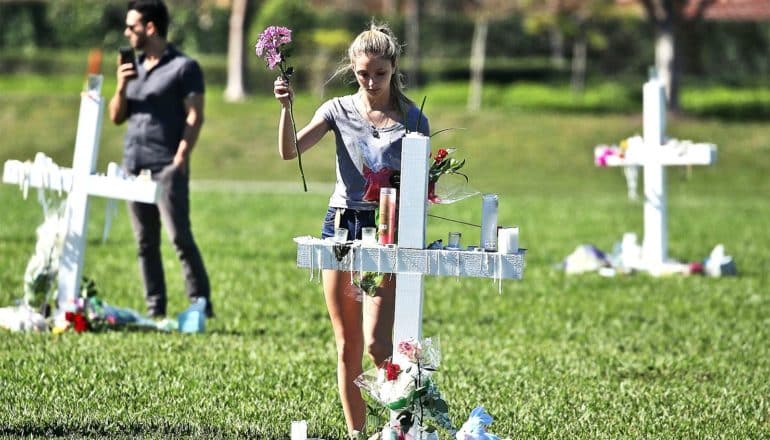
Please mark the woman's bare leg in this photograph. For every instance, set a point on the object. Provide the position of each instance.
(378, 322)
(345, 312)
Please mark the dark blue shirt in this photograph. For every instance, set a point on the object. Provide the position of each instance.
(156, 113)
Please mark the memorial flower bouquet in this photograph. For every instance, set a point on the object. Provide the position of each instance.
(408, 387)
(43, 267)
(274, 46)
(89, 312)
(442, 164)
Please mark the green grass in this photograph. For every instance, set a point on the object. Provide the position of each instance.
(553, 356)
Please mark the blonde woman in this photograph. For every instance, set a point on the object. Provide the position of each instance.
(368, 127)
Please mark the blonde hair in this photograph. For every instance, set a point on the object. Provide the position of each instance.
(379, 41)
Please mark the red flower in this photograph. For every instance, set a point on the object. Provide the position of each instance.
(80, 323)
(391, 370)
(441, 154)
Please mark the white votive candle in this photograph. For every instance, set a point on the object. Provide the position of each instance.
(299, 430)
(508, 240)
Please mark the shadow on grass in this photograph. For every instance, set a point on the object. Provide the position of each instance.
(749, 112)
(161, 429)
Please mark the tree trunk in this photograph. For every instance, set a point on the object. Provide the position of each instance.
(578, 64)
(235, 90)
(556, 39)
(413, 18)
(478, 51)
(665, 63)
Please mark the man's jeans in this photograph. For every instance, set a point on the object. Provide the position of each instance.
(173, 209)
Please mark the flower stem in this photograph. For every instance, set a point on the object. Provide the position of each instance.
(296, 146)
(285, 76)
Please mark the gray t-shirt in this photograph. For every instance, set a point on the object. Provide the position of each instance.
(359, 145)
(156, 112)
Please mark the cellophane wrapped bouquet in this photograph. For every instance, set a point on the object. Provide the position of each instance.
(407, 386)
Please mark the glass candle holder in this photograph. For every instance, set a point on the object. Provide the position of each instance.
(387, 226)
(369, 234)
(453, 241)
(340, 235)
(489, 222)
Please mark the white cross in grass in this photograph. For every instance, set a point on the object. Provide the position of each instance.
(79, 182)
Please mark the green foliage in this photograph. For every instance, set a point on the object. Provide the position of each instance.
(296, 15)
(201, 30)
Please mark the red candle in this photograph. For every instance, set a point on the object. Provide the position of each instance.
(387, 226)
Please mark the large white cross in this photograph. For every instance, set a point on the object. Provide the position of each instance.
(656, 153)
(80, 182)
(410, 260)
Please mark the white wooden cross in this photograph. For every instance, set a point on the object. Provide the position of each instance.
(655, 154)
(410, 260)
(80, 182)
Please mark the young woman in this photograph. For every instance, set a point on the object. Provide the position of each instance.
(368, 126)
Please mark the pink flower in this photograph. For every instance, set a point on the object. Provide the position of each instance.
(273, 60)
(411, 349)
(269, 45)
(603, 155)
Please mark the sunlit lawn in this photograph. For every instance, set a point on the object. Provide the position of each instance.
(552, 356)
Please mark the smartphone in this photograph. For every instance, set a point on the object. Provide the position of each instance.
(127, 56)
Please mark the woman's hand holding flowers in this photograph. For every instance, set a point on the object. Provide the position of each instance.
(283, 92)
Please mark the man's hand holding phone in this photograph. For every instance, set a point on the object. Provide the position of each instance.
(127, 64)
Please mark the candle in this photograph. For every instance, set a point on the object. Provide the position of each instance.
(387, 227)
(369, 235)
(488, 222)
(508, 240)
(299, 430)
(453, 241)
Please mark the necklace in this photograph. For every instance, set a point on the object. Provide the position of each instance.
(378, 125)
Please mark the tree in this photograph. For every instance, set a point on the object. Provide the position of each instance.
(235, 90)
(413, 17)
(482, 11)
(569, 20)
(669, 17)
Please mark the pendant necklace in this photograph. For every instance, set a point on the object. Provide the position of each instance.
(375, 129)
(372, 124)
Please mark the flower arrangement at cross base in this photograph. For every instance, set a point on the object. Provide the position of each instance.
(88, 313)
(408, 388)
(274, 46)
(43, 267)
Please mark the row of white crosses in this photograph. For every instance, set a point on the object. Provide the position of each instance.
(656, 154)
(79, 182)
(410, 260)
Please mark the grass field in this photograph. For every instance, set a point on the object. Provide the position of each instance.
(553, 356)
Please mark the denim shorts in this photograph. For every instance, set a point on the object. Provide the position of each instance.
(351, 219)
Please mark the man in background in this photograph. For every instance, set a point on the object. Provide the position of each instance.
(161, 97)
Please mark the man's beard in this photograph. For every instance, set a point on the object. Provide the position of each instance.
(141, 42)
